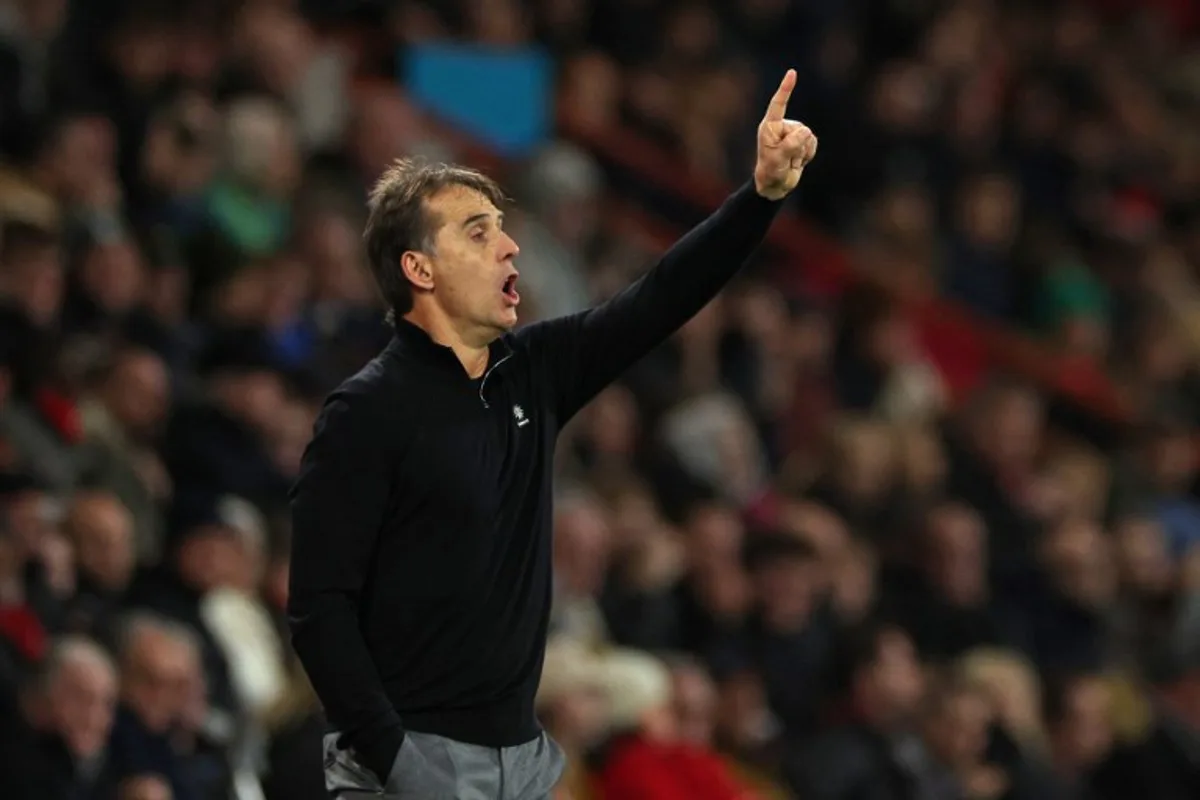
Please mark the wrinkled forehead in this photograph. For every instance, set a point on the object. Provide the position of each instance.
(455, 205)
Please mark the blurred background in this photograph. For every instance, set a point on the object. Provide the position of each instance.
(908, 513)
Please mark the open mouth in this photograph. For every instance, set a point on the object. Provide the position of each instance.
(509, 289)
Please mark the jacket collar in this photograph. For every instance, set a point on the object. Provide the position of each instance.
(411, 342)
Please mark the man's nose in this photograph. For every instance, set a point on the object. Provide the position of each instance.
(508, 247)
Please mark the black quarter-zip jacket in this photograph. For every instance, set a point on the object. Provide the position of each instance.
(421, 545)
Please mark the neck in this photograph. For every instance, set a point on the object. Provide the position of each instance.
(471, 353)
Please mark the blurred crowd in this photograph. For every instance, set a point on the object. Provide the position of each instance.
(787, 564)
(1036, 161)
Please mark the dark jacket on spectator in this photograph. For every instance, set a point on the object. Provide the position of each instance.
(209, 452)
(34, 766)
(1011, 532)
(669, 619)
(939, 629)
(94, 612)
(1164, 766)
(797, 668)
(134, 750)
(1055, 632)
(856, 763)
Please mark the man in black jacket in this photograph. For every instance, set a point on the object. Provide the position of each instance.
(421, 572)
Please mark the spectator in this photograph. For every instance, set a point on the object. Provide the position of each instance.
(220, 444)
(283, 55)
(745, 729)
(572, 705)
(713, 438)
(1079, 713)
(791, 637)
(882, 365)
(558, 228)
(32, 275)
(1068, 625)
(110, 285)
(590, 91)
(31, 611)
(982, 247)
(1155, 370)
(696, 700)
(992, 466)
(249, 206)
(1158, 480)
(714, 598)
(1074, 308)
(879, 750)
(647, 756)
(156, 657)
(27, 33)
(238, 619)
(56, 728)
(123, 419)
(101, 530)
(1014, 690)
(946, 604)
(1082, 481)
(607, 434)
(955, 727)
(1158, 617)
(691, 606)
(860, 480)
(581, 553)
(178, 160)
(202, 739)
(30, 300)
(922, 462)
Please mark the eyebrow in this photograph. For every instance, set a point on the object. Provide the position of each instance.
(471, 220)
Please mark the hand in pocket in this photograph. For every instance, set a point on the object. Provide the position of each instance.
(343, 772)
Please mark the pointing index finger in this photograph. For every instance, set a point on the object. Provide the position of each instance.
(777, 108)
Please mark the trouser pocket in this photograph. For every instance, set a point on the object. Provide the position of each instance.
(422, 770)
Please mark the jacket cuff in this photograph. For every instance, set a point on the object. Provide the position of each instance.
(380, 753)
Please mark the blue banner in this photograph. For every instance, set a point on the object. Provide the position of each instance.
(505, 98)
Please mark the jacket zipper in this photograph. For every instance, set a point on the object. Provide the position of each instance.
(489, 371)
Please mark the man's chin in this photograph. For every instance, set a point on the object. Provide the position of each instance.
(507, 321)
(500, 324)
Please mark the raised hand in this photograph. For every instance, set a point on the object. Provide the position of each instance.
(784, 146)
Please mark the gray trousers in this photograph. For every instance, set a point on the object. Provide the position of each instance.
(431, 767)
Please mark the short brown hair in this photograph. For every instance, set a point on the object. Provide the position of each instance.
(399, 219)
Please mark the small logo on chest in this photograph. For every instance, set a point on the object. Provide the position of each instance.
(519, 415)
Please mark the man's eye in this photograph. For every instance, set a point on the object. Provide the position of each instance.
(479, 235)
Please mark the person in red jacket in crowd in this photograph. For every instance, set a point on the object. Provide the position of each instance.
(647, 759)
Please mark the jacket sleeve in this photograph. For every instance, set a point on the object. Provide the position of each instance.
(582, 353)
(338, 504)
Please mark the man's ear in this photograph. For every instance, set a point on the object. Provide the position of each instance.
(417, 269)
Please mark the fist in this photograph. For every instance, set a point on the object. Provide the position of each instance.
(784, 146)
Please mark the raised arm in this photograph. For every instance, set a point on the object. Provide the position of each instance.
(585, 352)
(338, 503)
